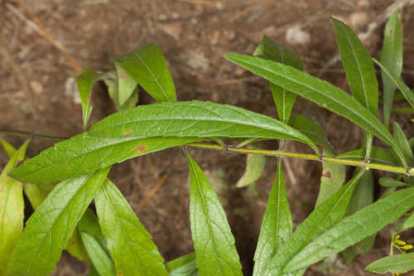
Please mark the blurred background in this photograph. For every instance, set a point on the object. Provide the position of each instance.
(45, 43)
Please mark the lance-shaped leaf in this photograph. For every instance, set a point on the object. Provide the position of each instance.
(402, 140)
(401, 263)
(362, 197)
(284, 100)
(11, 205)
(310, 128)
(85, 82)
(327, 214)
(359, 68)
(392, 59)
(95, 244)
(130, 244)
(319, 92)
(378, 154)
(213, 241)
(276, 226)
(332, 179)
(389, 182)
(183, 266)
(50, 227)
(147, 129)
(148, 67)
(255, 165)
(354, 228)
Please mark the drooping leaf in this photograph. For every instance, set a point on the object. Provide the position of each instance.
(213, 241)
(148, 67)
(358, 65)
(399, 83)
(284, 100)
(50, 227)
(183, 266)
(276, 225)
(130, 244)
(402, 140)
(11, 205)
(362, 197)
(332, 179)
(323, 217)
(392, 59)
(319, 92)
(401, 263)
(255, 165)
(355, 228)
(147, 129)
(85, 82)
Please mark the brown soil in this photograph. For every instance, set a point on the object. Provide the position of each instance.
(195, 34)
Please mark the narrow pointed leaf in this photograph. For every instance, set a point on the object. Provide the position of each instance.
(408, 223)
(148, 67)
(378, 154)
(49, 229)
(310, 128)
(34, 194)
(392, 59)
(183, 266)
(85, 83)
(355, 228)
(319, 92)
(126, 86)
(284, 100)
(402, 140)
(276, 226)
(130, 244)
(213, 241)
(401, 263)
(8, 148)
(389, 182)
(359, 68)
(147, 129)
(327, 214)
(332, 179)
(255, 165)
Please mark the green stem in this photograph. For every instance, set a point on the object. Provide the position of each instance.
(306, 156)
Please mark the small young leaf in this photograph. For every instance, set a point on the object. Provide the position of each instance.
(359, 69)
(148, 67)
(392, 59)
(320, 92)
(401, 263)
(332, 179)
(8, 148)
(355, 228)
(85, 82)
(147, 129)
(284, 100)
(255, 165)
(183, 266)
(276, 225)
(402, 140)
(362, 197)
(213, 241)
(50, 227)
(130, 244)
(326, 215)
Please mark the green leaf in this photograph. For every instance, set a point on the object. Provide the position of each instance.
(332, 179)
(8, 148)
(319, 92)
(148, 67)
(326, 215)
(394, 264)
(392, 59)
(147, 129)
(85, 82)
(50, 227)
(408, 223)
(362, 197)
(402, 140)
(355, 228)
(183, 266)
(378, 154)
(310, 128)
(255, 165)
(277, 224)
(389, 182)
(213, 241)
(399, 83)
(130, 244)
(359, 69)
(284, 100)
(34, 194)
